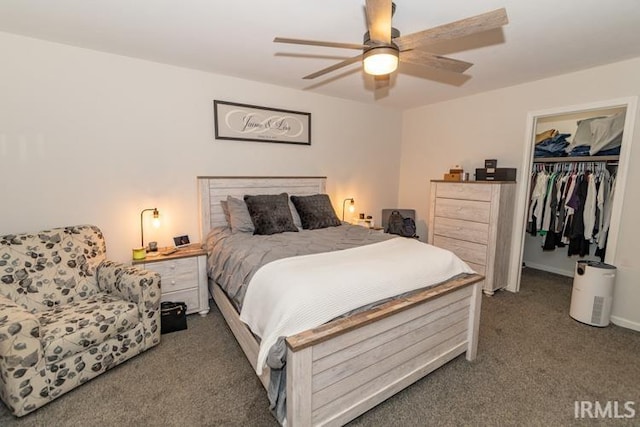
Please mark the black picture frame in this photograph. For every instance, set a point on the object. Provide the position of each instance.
(245, 122)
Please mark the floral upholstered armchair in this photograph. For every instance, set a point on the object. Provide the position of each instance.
(67, 314)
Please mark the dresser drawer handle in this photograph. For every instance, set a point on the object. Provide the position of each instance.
(173, 282)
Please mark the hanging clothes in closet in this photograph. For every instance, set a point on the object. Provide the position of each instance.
(570, 206)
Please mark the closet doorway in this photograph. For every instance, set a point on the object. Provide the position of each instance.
(564, 264)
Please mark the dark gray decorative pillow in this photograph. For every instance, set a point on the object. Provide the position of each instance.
(270, 213)
(315, 211)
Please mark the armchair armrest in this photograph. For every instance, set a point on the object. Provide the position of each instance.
(20, 345)
(130, 283)
(139, 286)
(22, 363)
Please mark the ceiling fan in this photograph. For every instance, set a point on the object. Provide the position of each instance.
(383, 46)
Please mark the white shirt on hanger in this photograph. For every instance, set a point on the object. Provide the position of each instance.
(589, 212)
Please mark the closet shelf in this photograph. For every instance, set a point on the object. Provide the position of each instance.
(575, 159)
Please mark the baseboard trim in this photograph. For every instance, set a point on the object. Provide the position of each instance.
(548, 268)
(624, 323)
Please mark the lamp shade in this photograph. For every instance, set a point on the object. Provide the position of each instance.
(156, 218)
(351, 205)
(380, 61)
(156, 222)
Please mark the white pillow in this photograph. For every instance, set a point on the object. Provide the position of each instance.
(295, 215)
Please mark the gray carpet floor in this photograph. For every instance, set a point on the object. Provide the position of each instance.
(533, 363)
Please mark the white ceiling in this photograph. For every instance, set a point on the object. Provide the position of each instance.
(543, 38)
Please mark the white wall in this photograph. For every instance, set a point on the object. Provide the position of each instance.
(489, 125)
(90, 137)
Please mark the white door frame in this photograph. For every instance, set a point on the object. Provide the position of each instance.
(520, 220)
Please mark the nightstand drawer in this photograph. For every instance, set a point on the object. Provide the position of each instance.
(467, 251)
(176, 274)
(477, 232)
(469, 210)
(189, 296)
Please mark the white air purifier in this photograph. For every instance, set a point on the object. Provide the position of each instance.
(592, 293)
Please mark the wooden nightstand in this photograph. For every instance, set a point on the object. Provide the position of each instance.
(184, 276)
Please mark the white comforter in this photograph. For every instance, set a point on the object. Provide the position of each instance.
(292, 295)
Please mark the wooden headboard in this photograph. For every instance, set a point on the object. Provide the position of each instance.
(213, 189)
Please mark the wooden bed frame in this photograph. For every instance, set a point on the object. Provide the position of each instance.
(339, 370)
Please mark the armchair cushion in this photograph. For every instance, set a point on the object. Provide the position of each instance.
(79, 325)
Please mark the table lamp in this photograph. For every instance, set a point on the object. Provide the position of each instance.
(156, 224)
(352, 207)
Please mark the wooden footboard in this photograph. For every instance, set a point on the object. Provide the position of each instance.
(345, 367)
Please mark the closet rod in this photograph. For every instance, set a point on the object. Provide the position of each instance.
(575, 159)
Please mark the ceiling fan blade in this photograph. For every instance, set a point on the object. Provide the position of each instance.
(379, 20)
(319, 43)
(381, 82)
(453, 30)
(333, 67)
(419, 57)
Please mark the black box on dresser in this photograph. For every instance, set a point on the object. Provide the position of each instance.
(498, 174)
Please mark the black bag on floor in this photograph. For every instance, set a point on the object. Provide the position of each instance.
(173, 316)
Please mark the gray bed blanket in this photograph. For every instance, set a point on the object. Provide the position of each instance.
(235, 257)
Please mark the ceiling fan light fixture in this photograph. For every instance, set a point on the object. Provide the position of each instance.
(380, 61)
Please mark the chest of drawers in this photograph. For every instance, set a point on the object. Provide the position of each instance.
(474, 221)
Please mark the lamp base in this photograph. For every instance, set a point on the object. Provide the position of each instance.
(139, 253)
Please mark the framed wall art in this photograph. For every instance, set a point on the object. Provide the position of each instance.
(243, 122)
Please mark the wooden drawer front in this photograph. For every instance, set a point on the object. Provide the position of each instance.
(176, 274)
(469, 210)
(190, 297)
(477, 232)
(465, 191)
(467, 251)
